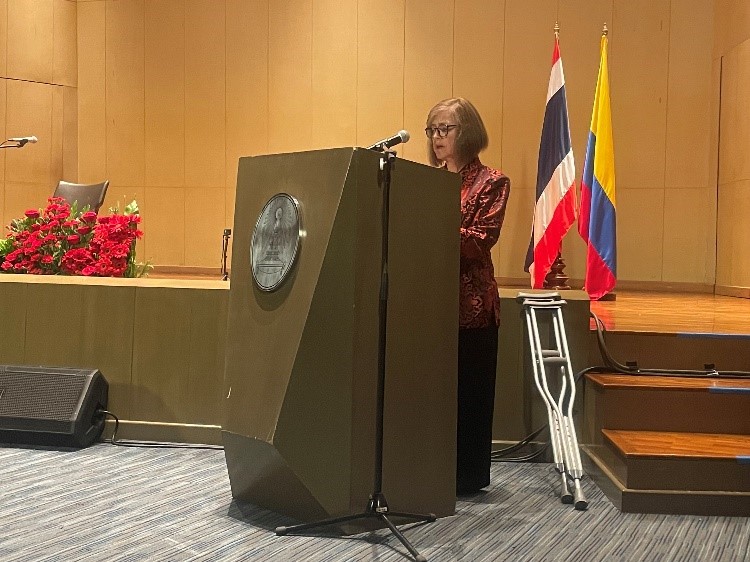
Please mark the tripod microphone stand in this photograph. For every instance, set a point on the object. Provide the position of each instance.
(377, 506)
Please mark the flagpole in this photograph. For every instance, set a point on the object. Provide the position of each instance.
(556, 279)
(612, 295)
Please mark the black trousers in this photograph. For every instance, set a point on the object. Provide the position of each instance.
(477, 365)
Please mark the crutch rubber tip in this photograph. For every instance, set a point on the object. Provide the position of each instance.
(420, 558)
(566, 498)
(281, 530)
(582, 505)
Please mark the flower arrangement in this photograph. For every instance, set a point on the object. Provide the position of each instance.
(63, 240)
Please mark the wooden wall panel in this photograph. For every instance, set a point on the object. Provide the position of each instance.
(165, 93)
(731, 25)
(733, 262)
(64, 60)
(124, 91)
(527, 65)
(92, 126)
(334, 73)
(299, 74)
(687, 143)
(528, 54)
(725, 232)
(22, 196)
(3, 110)
(204, 226)
(733, 257)
(247, 83)
(54, 346)
(56, 136)
(689, 234)
(70, 134)
(428, 66)
(639, 91)
(380, 72)
(479, 38)
(205, 107)
(165, 238)
(30, 40)
(3, 33)
(2, 152)
(732, 56)
(13, 327)
(734, 158)
(29, 112)
(290, 75)
(640, 234)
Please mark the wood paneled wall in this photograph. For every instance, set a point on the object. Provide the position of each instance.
(171, 92)
(732, 57)
(38, 96)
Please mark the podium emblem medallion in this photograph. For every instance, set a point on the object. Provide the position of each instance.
(275, 241)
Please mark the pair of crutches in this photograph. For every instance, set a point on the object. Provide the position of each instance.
(547, 362)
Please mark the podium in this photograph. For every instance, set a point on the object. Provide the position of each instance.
(302, 360)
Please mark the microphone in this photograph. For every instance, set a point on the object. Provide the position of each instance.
(23, 140)
(398, 138)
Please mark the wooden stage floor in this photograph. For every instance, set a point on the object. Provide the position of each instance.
(692, 313)
(638, 311)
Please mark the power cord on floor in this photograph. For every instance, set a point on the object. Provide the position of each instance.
(500, 454)
(149, 444)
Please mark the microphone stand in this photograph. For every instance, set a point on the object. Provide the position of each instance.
(224, 250)
(377, 506)
(16, 145)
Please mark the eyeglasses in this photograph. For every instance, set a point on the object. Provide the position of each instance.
(440, 130)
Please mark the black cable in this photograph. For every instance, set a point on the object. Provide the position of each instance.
(613, 365)
(149, 444)
(526, 458)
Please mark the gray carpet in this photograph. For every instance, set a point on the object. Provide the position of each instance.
(118, 504)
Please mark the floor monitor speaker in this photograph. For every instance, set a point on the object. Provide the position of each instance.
(51, 406)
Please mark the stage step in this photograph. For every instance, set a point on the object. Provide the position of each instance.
(648, 500)
(669, 444)
(662, 403)
(680, 461)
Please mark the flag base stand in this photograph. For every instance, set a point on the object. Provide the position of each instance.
(556, 280)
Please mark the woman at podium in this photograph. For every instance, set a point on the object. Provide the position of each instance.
(456, 135)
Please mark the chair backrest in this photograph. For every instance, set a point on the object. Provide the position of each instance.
(91, 194)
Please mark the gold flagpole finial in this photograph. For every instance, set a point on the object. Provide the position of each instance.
(605, 31)
(557, 29)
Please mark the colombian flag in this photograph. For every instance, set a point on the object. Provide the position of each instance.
(597, 218)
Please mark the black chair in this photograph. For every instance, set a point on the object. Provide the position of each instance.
(91, 194)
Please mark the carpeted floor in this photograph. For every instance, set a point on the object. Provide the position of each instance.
(118, 504)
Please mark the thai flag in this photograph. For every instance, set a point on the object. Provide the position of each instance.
(597, 220)
(554, 212)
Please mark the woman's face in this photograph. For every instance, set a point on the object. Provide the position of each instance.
(445, 147)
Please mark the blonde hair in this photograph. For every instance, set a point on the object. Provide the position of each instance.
(471, 136)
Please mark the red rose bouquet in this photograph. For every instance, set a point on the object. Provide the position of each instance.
(62, 240)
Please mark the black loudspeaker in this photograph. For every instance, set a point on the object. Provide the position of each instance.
(51, 406)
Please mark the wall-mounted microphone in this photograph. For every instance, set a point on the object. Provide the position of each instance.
(23, 140)
(398, 138)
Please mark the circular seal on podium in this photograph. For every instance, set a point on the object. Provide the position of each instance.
(275, 241)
